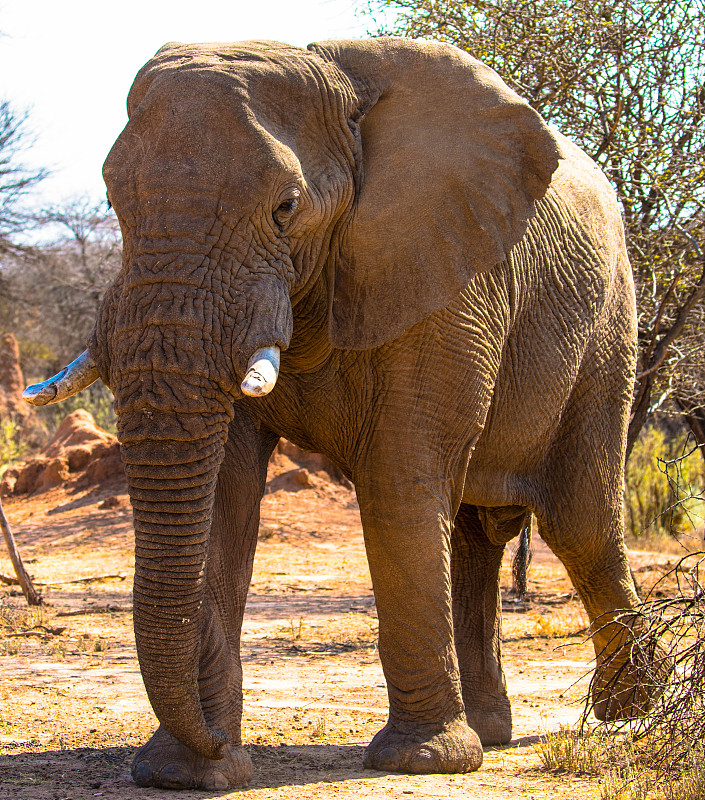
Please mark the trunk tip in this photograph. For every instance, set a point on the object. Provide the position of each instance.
(209, 742)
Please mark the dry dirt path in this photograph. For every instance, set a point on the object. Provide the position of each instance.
(73, 707)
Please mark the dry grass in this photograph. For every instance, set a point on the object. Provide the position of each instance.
(572, 751)
(624, 765)
(35, 632)
(319, 729)
(21, 619)
(559, 626)
(351, 631)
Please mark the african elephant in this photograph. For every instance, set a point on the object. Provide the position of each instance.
(379, 251)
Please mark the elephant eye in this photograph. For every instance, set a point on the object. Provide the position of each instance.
(284, 211)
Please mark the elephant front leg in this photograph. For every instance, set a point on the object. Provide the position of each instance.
(164, 761)
(407, 536)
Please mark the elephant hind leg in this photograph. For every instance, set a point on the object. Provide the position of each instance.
(595, 557)
(579, 514)
(477, 551)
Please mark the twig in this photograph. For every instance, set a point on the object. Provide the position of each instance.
(28, 590)
(89, 579)
(38, 630)
(93, 610)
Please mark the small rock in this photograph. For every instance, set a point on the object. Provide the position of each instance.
(302, 477)
(110, 502)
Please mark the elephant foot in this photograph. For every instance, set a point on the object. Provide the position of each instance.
(166, 763)
(491, 719)
(453, 748)
(622, 702)
(623, 689)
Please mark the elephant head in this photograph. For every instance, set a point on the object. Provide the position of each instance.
(385, 173)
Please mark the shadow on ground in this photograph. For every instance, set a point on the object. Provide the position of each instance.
(261, 607)
(82, 773)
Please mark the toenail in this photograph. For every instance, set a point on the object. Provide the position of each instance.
(174, 776)
(423, 761)
(215, 781)
(142, 774)
(388, 759)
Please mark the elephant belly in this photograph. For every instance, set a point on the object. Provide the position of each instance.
(505, 466)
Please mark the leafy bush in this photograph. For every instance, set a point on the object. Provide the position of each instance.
(12, 447)
(664, 485)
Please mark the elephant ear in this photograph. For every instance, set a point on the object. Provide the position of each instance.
(453, 162)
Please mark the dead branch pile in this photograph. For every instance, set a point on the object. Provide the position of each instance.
(668, 684)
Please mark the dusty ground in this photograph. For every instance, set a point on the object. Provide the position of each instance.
(73, 707)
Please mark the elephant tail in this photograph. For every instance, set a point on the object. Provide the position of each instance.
(522, 560)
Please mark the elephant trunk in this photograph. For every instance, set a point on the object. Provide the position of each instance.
(172, 485)
(170, 380)
(173, 352)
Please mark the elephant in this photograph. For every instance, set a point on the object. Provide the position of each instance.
(379, 251)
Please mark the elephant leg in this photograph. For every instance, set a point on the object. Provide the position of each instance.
(596, 561)
(475, 564)
(406, 525)
(164, 761)
(580, 518)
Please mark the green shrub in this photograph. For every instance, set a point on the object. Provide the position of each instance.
(12, 448)
(664, 482)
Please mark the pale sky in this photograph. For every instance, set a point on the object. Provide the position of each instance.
(71, 64)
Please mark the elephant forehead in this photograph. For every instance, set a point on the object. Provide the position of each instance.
(227, 58)
(194, 133)
(280, 83)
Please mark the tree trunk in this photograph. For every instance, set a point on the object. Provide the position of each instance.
(28, 590)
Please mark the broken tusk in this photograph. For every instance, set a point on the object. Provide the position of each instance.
(262, 372)
(79, 374)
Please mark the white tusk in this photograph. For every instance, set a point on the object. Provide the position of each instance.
(262, 372)
(79, 374)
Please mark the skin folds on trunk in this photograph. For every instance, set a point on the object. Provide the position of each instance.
(172, 412)
(174, 355)
(172, 508)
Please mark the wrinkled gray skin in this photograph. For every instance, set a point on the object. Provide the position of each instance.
(448, 282)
